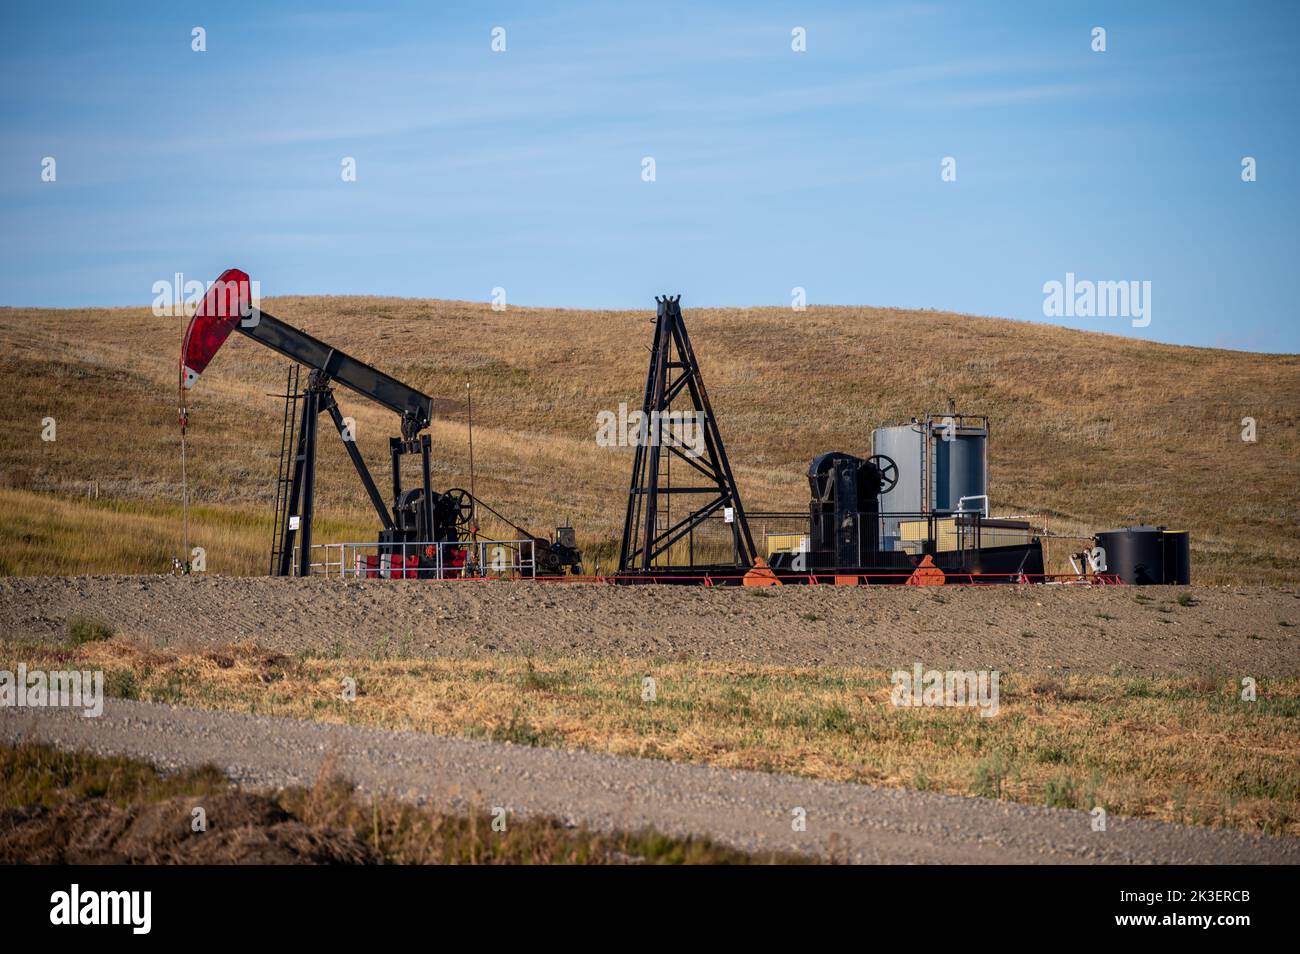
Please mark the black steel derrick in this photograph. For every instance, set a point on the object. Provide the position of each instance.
(649, 527)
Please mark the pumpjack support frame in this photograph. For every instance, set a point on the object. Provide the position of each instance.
(318, 398)
(674, 372)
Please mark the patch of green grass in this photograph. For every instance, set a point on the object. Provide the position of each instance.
(88, 629)
(1062, 792)
(1052, 755)
(520, 731)
(836, 718)
(534, 679)
(988, 777)
(39, 775)
(121, 684)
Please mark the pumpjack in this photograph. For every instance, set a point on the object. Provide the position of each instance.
(416, 514)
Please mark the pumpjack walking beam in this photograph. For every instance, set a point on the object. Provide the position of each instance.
(674, 371)
(412, 406)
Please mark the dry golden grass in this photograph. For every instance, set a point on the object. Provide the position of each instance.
(1183, 750)
(46, 534)
(1092, 431)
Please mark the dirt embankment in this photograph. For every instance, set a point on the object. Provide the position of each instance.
(254, 830)
(1221, 631)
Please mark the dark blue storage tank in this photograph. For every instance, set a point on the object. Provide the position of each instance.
(960, 469)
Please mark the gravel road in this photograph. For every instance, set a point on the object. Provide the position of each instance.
(749, 810)
(1233, 630)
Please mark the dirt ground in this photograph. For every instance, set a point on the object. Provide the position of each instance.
(1250, 630)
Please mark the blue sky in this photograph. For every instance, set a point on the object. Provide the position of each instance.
(774, 169)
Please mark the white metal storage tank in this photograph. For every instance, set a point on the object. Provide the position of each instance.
(941, 459)
(904, 446)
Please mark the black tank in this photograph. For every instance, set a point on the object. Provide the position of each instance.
(1135, 554)
(1178, 558)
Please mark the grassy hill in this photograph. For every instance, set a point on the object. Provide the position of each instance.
(1091, 431)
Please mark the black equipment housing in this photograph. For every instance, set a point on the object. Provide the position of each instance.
(559, 556)
(845, 508)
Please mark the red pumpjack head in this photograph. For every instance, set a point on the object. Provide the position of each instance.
(228, 300)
